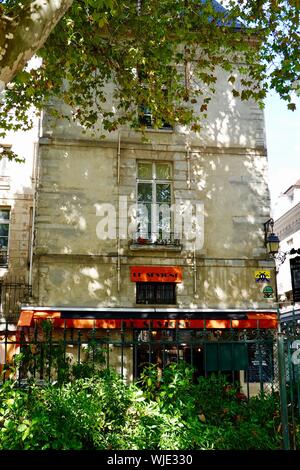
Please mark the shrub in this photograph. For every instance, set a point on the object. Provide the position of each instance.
(167, 411)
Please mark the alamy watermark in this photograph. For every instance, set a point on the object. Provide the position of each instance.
(151, 222)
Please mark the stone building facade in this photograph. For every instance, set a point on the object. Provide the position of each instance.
(91, 263)
(287, 227)
(17, 186)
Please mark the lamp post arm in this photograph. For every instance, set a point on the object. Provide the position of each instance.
(281, 256)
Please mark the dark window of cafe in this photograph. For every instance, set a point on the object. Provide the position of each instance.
(156, 293)
(261, 364)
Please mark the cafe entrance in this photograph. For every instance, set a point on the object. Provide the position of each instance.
(166, 346)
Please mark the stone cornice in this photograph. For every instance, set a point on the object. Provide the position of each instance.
(133, 145)
(288, 223)
(179, 261)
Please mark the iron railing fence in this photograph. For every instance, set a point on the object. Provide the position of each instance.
(259, 360)
(247, 357)
(289, 359)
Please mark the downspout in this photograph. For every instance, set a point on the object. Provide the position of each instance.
(188, 160)
(119, 158)
(35, 178)
(195, 271)
(118, 267)
(118, 235)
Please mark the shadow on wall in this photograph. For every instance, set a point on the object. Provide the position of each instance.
(14, 270)
(228, 174)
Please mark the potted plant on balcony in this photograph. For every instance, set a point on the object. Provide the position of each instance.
(143, 241)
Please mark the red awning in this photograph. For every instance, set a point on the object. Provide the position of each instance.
(253, 320)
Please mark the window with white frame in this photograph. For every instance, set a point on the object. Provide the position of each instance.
(146, 117)
(4, 234)
(154, 199)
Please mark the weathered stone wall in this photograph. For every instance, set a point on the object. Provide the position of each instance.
(224, 168)
(17, 193)
(230, 122)
(74, 267)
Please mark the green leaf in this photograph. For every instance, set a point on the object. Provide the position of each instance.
(22, 427)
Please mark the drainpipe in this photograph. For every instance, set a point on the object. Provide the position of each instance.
(119, 158)
(188, 159)
(195, 271)
(118, 236)
(35, 180)
(118, 267)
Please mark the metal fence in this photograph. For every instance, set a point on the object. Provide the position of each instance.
(246, 357)
(289, 365)
(258, 360)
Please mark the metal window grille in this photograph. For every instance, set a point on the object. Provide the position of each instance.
(155, 293)
(12, 295)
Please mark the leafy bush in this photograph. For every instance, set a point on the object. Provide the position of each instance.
(162, 411)
(216, 414)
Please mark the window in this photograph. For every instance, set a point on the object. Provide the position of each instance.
(260, 357)
(154, 197)
(295, 275)
(155, 293)
(4, 233)
(146, 119)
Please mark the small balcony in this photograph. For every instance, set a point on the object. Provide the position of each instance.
(156, 242)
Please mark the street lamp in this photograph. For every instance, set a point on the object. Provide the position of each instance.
(271, 240)
(272, 244)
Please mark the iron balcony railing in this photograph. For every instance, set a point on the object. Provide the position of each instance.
(157, 238)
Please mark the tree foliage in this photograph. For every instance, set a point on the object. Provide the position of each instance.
(24, 27)
(159, 54)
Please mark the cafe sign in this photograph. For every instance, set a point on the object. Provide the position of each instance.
(155, 274)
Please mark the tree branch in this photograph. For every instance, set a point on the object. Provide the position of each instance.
(26, 33)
